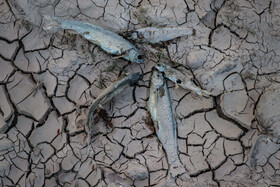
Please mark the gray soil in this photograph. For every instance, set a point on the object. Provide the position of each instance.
(48, 81)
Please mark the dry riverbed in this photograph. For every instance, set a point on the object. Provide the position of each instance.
(48, 81)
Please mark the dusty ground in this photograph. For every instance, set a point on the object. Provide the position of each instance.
(48, 80)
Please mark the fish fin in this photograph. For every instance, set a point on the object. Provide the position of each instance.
(156, 127)
(119, 56)
(176, 86)
(123, 54)
(126, 73)
(100, 107)
(205, 93)
(149, 122)
(194, 95)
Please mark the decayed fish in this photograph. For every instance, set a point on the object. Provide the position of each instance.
(107, 40)
(115, 88)
(181, 79)
(160, 108)
(155, 35)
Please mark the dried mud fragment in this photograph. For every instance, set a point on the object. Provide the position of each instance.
(48, 131)
(268, 106)
(27, 98)
(262, 150)
(238, 106)
(8, 50)
(225, 128)
(6, 110)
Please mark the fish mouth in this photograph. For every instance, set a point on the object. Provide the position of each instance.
(140, 59)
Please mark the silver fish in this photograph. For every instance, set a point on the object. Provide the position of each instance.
(183, 80)
(160, 108)
(107, 40)
(115, 88)
(156, 35)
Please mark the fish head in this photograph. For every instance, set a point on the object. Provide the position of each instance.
(157, 79)
(133, 56)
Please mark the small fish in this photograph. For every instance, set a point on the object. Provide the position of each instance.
(160, 108)
(107, 40)
(181, 79)
(115, 88)
(155, 35)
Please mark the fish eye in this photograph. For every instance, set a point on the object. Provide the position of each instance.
(178, 81)
(140, 57)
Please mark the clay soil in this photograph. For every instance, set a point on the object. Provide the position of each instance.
(49, 79)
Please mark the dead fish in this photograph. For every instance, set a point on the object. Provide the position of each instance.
(155, 35)
(160, 108)
(107, 40)
(115, 88)
(183, 80)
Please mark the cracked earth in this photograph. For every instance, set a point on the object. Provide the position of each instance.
(48, 81)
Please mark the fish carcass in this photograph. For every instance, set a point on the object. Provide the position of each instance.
(111, 91)
(183, 80)
(160, 108)
(107, 40)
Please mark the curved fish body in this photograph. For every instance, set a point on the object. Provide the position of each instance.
(107, 40)
(160, 108)
(115, 88)
(183, 80)
(155, 35)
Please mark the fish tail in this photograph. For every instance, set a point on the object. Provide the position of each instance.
(176, 168)
(201, 92)
(50, 23)
(205, 93)
(197, 90)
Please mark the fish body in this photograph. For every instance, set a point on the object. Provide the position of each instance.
(107, 40)
(183, 80)
(115, 88)
(155, 35)
(160, 108)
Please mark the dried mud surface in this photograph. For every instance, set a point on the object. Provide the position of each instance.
(48, 81)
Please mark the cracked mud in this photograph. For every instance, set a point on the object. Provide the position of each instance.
(48, 81)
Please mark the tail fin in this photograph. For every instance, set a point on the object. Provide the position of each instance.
(50, 23)
(176, 168)
(206, 93)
